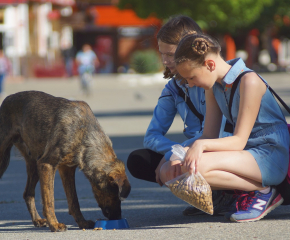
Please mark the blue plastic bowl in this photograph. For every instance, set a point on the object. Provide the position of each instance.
(112, 224)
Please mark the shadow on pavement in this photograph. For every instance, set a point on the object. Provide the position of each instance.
(148, 206)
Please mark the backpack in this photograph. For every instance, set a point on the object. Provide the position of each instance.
(284, 187)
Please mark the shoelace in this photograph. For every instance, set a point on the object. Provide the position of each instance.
(237, 194)
(244, 201)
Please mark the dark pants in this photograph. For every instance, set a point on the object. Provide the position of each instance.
(142, 163)
(69, 66)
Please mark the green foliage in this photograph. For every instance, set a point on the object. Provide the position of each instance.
(274, 13)
(145, 61)
(275, 16)
(213, 15)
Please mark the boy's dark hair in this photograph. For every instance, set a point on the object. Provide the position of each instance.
(173, 31)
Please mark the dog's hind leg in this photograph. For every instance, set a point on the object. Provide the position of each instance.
(4, 158)
(29, 194)
(7, 137)
(32, 179)
(46, 173)
(67, 175)
(5, 148)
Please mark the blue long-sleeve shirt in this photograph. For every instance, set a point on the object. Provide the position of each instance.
(169, 103)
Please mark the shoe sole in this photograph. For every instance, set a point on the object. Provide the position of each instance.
(221, 213)
(276, 203)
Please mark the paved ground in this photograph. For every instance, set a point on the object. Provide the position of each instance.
(123, 105)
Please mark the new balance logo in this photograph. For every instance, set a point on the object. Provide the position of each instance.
(259, 205)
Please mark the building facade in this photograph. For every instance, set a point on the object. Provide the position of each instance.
(32, 33)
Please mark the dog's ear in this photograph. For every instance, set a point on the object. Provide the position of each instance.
(123, 185)
(118, 176)
(124, 190)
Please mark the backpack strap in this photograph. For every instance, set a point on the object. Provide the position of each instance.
(280, 99)
(189, 103)
(229, 127)
(234, 87)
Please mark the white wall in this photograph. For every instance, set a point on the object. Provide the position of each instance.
(16, 30)
(44, 28)
(15, 34)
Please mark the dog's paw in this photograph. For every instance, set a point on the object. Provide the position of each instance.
(40, 222)
(58, 227)
(86, 224)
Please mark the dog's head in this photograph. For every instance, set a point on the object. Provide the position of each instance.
(112, 187)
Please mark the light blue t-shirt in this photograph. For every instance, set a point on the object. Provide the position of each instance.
(86, 61)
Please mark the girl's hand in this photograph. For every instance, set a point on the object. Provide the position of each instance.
(173, 171)
(157, 171)
(193, 156)
(170, 170)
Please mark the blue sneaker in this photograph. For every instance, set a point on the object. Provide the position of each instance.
(253, 206)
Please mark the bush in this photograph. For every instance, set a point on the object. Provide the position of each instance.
(145, 61)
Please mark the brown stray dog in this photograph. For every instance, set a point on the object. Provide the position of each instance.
(52, 134)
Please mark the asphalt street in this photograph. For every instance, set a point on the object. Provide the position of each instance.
(123, 104)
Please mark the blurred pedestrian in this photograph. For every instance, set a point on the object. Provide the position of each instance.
(4, 70)
(273, 44)
(87, 62)
(67, 52)
(252, 47)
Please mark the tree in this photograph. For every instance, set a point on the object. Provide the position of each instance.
(277, 14)
(213, 15)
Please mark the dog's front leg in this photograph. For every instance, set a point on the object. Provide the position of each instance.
(67, 175)
(46, 174)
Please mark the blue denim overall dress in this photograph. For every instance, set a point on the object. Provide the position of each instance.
(269, 139)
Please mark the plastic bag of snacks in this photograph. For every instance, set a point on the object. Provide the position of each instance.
(191, 188)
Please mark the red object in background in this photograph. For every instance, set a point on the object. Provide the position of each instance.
(53, 71)
(53, 15)
(114, 17)
(286, 20)
(230, 47)
(59, 2)
(103, 49)
(276, 44)
(7, 2)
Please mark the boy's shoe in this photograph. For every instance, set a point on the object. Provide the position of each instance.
(192, 211)
(253, 206)
(226, 204)
(238, 195)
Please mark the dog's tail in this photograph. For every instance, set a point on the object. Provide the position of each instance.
(4, 159)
